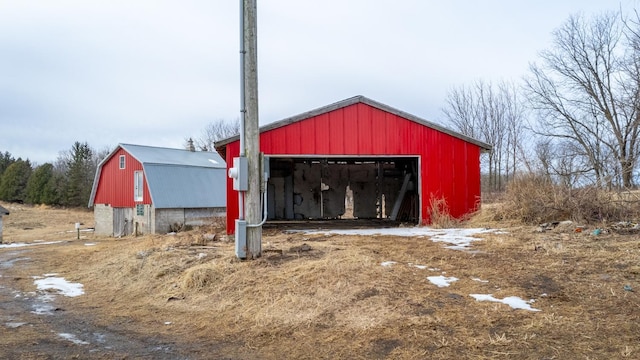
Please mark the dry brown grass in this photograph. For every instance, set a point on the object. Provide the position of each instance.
(533, 199)
(336, 300)
(440, 214)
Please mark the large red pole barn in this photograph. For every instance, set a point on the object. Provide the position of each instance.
(393, 163)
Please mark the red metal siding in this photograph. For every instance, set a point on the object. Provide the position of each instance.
(233, 150)
(340, 132)
(450, 167)
(115, 185)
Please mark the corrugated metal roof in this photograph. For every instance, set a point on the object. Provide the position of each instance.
(180, 186)
(3, 211)
(177, 178)
(159, 155)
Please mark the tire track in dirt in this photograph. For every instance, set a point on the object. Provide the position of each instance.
(33, 327)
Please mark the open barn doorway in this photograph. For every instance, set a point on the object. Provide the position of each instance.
(343, 188)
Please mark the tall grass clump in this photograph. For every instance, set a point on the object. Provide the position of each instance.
(439, 213)
(535, 199)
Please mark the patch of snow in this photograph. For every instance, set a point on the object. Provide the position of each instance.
(81, 230)
(61, 285)
(202, 255)
(434, 269)
(50, 274)
(441, 281)
(43, 309)
(460, 239)
(513, 301)
(90, 244)
(9, 263)
(14, 325)
(480, 280)
(36, 242)
(167, 322)
(421, 267)
(388, 263)
(72, 338)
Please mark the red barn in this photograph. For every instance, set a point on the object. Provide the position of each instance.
(392, 163)
(153, 189)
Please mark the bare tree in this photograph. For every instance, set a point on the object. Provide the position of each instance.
(586, 94)
(494, 115)
(214, 131)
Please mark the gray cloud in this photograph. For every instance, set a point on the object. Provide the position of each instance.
(155, 72)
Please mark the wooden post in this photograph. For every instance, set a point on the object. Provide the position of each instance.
(252, 132)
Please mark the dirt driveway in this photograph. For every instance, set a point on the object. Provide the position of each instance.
(45, 325)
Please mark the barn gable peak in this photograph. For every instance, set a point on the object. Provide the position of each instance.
(220, 145)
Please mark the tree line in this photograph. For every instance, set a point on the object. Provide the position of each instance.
(66, 182)
(574, 118)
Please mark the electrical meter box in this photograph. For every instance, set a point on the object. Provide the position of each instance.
(241, 239)
(239, 173)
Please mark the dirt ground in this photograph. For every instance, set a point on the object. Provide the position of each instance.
(186, 296)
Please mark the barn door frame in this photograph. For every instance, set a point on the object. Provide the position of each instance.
(122, 222)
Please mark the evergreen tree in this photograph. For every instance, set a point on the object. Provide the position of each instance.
(54, 189)
(5, 160)
(40, 184)
(79, 175)
(13, 184)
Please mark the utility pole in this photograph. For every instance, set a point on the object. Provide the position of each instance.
(253, 208)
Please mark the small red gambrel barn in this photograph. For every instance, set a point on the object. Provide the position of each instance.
(153, 190)
(391, 163)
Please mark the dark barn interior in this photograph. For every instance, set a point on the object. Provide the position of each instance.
(323, 188)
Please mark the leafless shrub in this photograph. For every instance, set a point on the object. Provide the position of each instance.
(534, 199)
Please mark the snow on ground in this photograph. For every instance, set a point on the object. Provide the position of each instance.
(14, 325)
(90, 244)
(15, 245)
(513, 301)
(441, 281)
(61, 285)
(459, 239)
(72, 338)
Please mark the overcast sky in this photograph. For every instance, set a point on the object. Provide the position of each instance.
(154, 72)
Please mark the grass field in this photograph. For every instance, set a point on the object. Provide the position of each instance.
(328, 296)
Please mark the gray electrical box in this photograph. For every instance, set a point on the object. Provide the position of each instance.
(266, 170)
(241, 239)
(239, 173)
